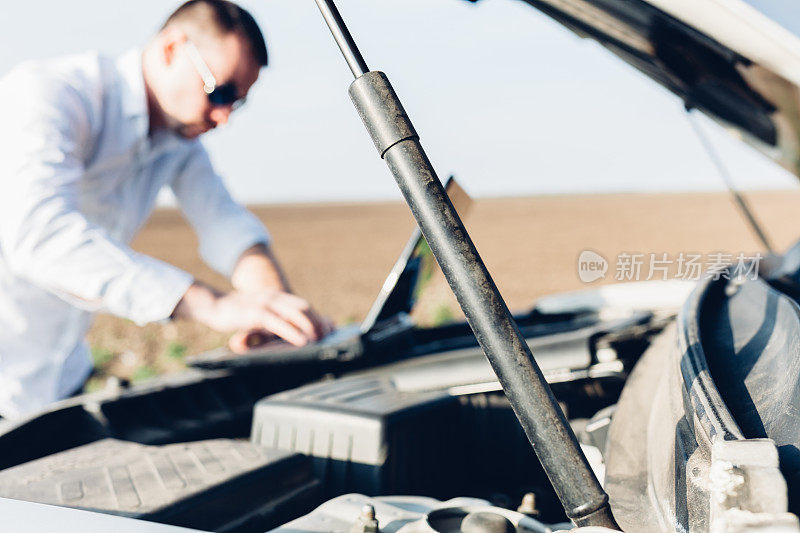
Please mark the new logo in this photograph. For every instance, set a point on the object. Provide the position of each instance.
(591, 266)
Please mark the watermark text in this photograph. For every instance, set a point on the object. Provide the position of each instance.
(687, 266)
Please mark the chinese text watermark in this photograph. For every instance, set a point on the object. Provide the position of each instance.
(636, 266)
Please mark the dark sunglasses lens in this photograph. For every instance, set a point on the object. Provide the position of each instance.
(224, 95)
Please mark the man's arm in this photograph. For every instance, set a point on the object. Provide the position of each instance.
(280, 313)
(235, 243)
(258, 268)
(226, 230)
(259, 306)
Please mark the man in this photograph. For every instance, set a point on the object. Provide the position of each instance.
(86, 144)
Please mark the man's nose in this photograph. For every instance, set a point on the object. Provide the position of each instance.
(220, 115)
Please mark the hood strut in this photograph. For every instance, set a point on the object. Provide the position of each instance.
(583, 498)
(738, 199)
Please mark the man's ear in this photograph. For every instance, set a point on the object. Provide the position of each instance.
(171, 39)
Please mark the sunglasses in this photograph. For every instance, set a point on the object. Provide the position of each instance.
(218, 95)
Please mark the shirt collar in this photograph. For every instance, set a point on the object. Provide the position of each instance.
(132, 92)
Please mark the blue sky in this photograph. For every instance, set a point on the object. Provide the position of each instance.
(502, 97)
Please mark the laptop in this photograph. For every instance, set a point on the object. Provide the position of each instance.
(389, 314)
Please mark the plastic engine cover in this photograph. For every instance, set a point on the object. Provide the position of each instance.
(220, 485)
(364, 435)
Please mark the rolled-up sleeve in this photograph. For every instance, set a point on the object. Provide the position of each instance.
(225, 228)
(44, 237)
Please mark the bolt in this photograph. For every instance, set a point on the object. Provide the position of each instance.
(368, 512)
(366, 522)
(528, 505)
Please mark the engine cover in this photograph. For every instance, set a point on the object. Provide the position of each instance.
(210, 485)
(364, 435)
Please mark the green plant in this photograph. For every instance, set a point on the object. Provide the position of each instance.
(143, 372)
(175, 350)
(94, 384)
(443, 315)
(101, 356)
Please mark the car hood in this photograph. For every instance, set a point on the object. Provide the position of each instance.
(723, 57)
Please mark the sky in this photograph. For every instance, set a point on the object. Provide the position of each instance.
(503, 97)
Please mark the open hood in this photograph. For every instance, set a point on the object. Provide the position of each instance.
(723, 57)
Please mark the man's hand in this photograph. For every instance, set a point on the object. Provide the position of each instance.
(258, 269)
(280, 313)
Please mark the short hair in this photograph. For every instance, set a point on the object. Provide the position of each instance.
(222, 17)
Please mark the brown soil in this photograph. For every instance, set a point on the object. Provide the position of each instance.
(337, 255)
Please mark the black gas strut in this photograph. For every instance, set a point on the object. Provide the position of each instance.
(584, 500)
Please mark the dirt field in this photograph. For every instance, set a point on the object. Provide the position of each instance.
(338, 255)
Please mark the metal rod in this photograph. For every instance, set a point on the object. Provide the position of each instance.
(522, 380)
(726, 177)
(523, 383)
(343, 38)
(530, 396)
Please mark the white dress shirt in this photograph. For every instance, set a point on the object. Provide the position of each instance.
(79, 176)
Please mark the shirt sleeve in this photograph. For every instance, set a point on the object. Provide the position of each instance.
(44, 237)
(224, 227)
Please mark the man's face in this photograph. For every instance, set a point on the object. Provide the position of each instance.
(187, 108)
